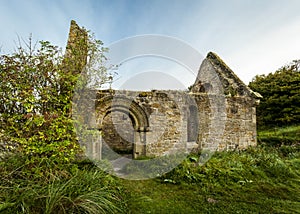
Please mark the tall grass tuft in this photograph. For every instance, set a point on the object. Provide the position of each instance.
(56, 190)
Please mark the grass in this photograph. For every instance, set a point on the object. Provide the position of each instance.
(253, 181)
(277, 136)
(50, 189)
(264, 179)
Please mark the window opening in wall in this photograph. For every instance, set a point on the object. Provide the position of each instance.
(192, 124)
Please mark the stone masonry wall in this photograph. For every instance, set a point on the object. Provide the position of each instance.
(166, 132)
(240, 128)
(178, 121)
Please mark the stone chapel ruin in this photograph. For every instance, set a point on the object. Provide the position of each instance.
(218, 113)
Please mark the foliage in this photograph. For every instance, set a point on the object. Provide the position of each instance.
(46, 187)
(257, 180)
(41, 172)
(233, 167)
(36, 90)
(280, 104)
(263, 179)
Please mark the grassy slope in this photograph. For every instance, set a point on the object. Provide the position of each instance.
(258, 180)
(154, 197)
(288, 135)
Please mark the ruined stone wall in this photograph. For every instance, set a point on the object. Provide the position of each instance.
(166, 132)
(240, 128)
(178, 121)
(219, 113)
(76, 53)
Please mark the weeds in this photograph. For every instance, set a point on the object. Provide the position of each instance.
(72, 188)
(262, 179)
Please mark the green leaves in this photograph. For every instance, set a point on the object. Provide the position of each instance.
(281, 96)
(36, 90)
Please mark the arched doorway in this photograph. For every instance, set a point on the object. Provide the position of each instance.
(123, 124)
(118, 133)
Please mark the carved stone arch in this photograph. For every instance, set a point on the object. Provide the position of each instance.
(139, 118)
(121, 103)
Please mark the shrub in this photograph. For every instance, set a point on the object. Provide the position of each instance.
(36, 90)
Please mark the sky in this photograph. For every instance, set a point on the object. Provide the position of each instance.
(253, 37)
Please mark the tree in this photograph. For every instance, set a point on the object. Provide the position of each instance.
(36, 89)
(280, 104)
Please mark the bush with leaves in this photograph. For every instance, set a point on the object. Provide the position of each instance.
(36, 90)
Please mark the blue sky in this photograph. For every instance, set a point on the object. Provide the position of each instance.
(251, 36)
